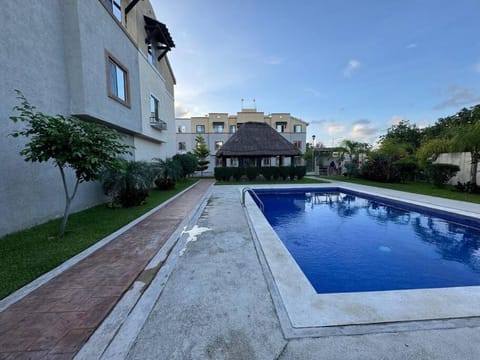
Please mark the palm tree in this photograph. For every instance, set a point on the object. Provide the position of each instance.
(353, 149)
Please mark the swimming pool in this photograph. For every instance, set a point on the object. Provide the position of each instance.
(305, 312)
(345, 241)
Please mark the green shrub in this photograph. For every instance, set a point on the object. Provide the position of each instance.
(291, 173)
(128, 184)
(275, 172)
(300, 171)
(220, 173)
(168, 171)
(439, 174)
(267, 172)
(284, 172)
(237, 173)
(380, 168)
(188, 164)
(407, 169)
(252, 173)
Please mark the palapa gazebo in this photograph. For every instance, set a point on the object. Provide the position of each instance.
(257, 144)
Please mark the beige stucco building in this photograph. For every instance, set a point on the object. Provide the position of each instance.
(217, 128)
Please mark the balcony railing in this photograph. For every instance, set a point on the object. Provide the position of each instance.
(157, 123)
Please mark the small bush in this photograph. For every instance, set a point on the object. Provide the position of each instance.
(128, 184)
(291, 173)
(221, 174)
(237, 173)
(275, 172)
(252, 173)
(188, 164)
(165, 184)
(439, 174)
(468, 187)
(380, 168)
(407, 168)
(300, 171)
(284, 172)
(267, 172)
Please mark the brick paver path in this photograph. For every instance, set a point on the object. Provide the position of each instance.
(54, 321)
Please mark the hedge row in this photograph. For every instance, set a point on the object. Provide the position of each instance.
(269, 173)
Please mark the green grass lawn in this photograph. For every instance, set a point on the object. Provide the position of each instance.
(448, 192)
(27, 254)
(263, 182)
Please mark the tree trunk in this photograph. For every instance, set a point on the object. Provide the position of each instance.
(473, 169)
(68, 200)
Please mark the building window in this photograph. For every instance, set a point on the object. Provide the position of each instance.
(115, 7)
(233, 162)
(218, 127)
(281, 126)
(298, 144)
(151, 54)
(266, 161)
(182, 146)
(153, 108)
(218, 145)
(117, 81)
(181, 129)
(218, 162)
(297, 128)
(233, 128)
(200, 129)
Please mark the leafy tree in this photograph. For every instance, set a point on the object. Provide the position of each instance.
(188, 163)
(404, 133)
(431, 149)
(353, 149)
(87, 148)
(201, 152)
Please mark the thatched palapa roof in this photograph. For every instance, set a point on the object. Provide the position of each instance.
(257, 139)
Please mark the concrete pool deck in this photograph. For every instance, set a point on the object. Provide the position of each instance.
(216, 303)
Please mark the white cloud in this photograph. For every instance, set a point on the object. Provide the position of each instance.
(352, 66)
(411, 46)
(363, 130)
(459, 96)
(273, 60)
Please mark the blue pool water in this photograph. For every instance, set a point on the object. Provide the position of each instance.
(344, 242)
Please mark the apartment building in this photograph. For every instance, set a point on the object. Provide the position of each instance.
(217, 128)
(100, 60)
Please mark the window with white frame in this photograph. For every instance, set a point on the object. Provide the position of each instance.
(266, 161)
(153, 108)
(233, 128)
(233, 162)
(281, 126)
(151, 54)
(181, 129)
(298, 144)
(218, 145)
(200, 129)
(218, 127)
(297, 128)
(118, 87)
(115, 7)
(182, 146)
(218, 162)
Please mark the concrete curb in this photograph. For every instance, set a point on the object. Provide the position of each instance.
(35, 284)
(117, 333)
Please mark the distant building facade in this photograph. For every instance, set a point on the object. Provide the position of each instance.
(217, 128)
(100, 60)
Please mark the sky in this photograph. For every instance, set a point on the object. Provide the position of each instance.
(350, 68)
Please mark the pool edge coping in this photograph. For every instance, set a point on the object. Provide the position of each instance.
(295, 312)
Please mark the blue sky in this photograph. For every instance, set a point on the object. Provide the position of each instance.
(349, 68)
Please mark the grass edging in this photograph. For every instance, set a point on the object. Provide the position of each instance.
(42, 279)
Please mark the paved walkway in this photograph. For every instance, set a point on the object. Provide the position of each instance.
(55, 320)
(216, 305)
